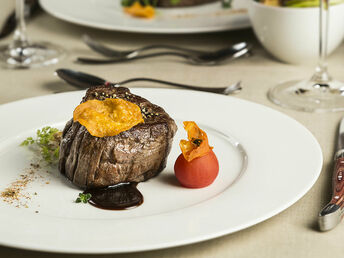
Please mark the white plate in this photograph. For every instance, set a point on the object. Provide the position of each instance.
(108, 14)
(283, 162)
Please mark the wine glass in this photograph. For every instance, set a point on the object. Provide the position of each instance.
(21, 52)
(320, 93)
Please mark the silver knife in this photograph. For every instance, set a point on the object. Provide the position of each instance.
(333, 212)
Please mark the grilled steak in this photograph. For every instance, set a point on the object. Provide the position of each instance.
(134, 155)
(167, 3)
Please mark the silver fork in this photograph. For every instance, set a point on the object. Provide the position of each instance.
(110, 52)
(211, 58)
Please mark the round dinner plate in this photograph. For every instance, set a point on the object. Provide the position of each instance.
(267, 162)
(109, 15)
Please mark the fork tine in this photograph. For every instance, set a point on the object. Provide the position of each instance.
(100, 48)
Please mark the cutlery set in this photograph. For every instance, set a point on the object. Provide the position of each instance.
(199, 57)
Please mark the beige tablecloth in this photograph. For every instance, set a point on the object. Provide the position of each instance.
(292, 233)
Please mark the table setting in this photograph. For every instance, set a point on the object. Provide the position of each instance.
(98, 97)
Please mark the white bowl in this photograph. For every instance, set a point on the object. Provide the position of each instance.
(292, 34)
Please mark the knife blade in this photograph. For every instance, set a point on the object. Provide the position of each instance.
(80, 79)
(333, 212)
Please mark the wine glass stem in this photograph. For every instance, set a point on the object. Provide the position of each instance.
(20, 39)
(321, 75)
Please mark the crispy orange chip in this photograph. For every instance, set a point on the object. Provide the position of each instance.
(197, 144)
(141, 11)
(109, 117)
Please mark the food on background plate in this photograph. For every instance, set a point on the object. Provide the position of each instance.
(197, 166)
(178, 3)
(167, 3)
(146, 8)
(139, 10)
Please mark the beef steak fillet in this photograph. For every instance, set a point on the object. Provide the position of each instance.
(134, 155)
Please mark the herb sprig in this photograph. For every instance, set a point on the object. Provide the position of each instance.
(83, 198)
(47, 142)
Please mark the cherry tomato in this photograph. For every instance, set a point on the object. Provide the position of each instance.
(199, 172)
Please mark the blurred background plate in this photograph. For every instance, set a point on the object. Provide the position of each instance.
(108, 14)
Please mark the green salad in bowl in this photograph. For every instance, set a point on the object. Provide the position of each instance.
(296, 3)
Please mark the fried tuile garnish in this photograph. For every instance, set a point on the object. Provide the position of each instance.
(197, 144)
(141, 11)
(109, 117)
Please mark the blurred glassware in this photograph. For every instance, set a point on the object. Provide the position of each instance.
(21, 53)
(320, 93)
(7, 19)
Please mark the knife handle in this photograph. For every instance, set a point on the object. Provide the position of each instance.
(338, 183)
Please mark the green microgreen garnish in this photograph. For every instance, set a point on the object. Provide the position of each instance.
(83, 198)
(174, 2)
(226, 3)
(47, 142)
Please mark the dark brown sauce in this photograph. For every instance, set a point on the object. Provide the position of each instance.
(117, 197)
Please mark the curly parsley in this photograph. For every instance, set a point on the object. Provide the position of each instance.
(83, 198)
(47, 142)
